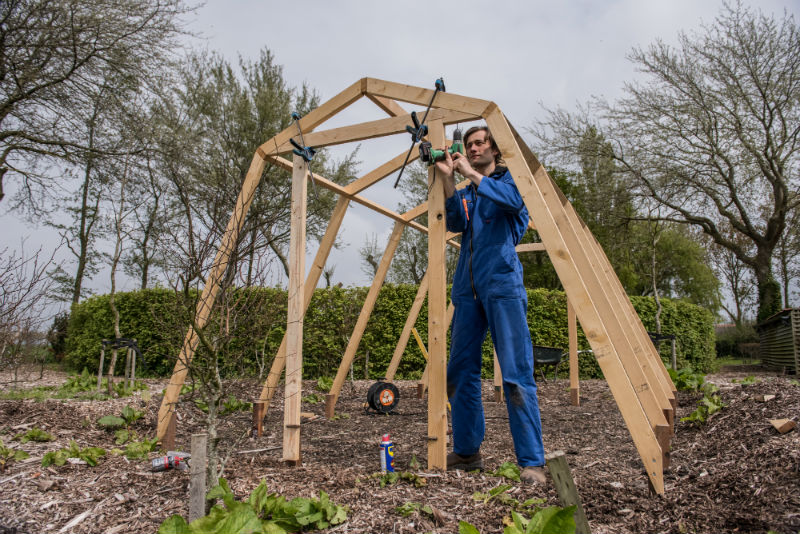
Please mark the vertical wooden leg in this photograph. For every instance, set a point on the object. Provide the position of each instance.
(294, 328)
(574, 382)
(259, 410)
(437, 313)
(100, 369)
(498, 380)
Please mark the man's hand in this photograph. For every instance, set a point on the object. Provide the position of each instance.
(462, 165)
(444, 168)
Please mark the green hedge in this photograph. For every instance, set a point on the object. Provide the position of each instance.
(251, 333)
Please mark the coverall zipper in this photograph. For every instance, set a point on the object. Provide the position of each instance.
(471, 234)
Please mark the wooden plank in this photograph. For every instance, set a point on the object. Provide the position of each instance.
(381, 172)
(421, 97)
(643, 348)
(363, 319)
(574, 381)
(531, 247)
(369, 130)
(294, 315)
(418, 210)
(316, 116)
(336, 188)
(168, 440)
(411, 320)
(197, 477)
(324, 250)
(388, 105)
(422, 386)
(783, 425)
(437, 313)
(558, 235)
(565, 487)
(498, 379)
(259, 411)
(209, 295)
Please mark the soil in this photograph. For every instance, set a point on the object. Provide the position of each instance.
(736, 473)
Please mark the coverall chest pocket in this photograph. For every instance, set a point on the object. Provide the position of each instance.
(492, 221)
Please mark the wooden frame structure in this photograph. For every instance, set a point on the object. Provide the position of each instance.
(635, 373)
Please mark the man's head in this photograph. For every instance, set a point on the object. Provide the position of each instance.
(481, 148)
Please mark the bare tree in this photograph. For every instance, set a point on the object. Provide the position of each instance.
(24, 292)
(712, 135)
(52, 53)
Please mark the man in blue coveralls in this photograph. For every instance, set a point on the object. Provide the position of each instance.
(488, 293)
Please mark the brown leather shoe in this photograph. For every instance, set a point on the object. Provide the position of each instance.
(533, 474)
(464, 463)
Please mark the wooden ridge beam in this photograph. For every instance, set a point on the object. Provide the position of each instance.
(421, 97)
(580, 283)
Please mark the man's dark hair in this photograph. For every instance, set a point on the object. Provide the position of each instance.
(498, 157)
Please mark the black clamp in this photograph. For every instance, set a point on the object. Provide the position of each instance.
(419, 130)
(305, 152)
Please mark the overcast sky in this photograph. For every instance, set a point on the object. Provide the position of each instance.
(521, 55)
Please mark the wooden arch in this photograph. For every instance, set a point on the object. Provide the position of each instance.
(635, 373)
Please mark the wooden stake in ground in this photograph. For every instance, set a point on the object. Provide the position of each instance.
(574, 382)
(565, 486)
(197, 477)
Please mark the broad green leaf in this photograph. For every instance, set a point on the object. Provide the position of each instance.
(553, 519)
(467, 528)
(111, 422)
(240, 519)
(258, 498)
(271, 527)
(174, 524)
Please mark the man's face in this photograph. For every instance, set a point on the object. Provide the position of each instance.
(479, 150)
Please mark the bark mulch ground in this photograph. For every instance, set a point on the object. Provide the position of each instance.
(736, 473)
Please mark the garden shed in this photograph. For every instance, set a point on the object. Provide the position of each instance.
(779, 337)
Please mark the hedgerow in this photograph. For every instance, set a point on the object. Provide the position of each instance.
(156, 318)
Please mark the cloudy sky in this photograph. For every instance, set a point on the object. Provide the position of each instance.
(521, 55)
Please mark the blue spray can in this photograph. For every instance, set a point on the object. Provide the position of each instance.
(387, 454)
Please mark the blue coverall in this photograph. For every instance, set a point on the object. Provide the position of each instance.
(488, 292)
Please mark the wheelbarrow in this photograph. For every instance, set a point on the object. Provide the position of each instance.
(543, 356)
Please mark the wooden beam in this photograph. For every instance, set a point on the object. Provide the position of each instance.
(336, 188)
(574, 381)
(363, 319)
(318, 265)
(411, 320)
(421, 97)
(209, 295)
(418, 210)
(498, 379)
(437, 312)
(575, 272)
(293, 391)
(316, 116)
(531, 247)
(388, 105)
(380, 173)
(369, 130)
(565, 487)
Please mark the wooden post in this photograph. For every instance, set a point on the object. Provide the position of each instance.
(574, 382)
(294, 321)
(363, 319)
(133, 366)
(498, 380)
(259, 410)
(197, 477)
(673, 355)
(437, 312)
(565, 486)
(100, 369)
